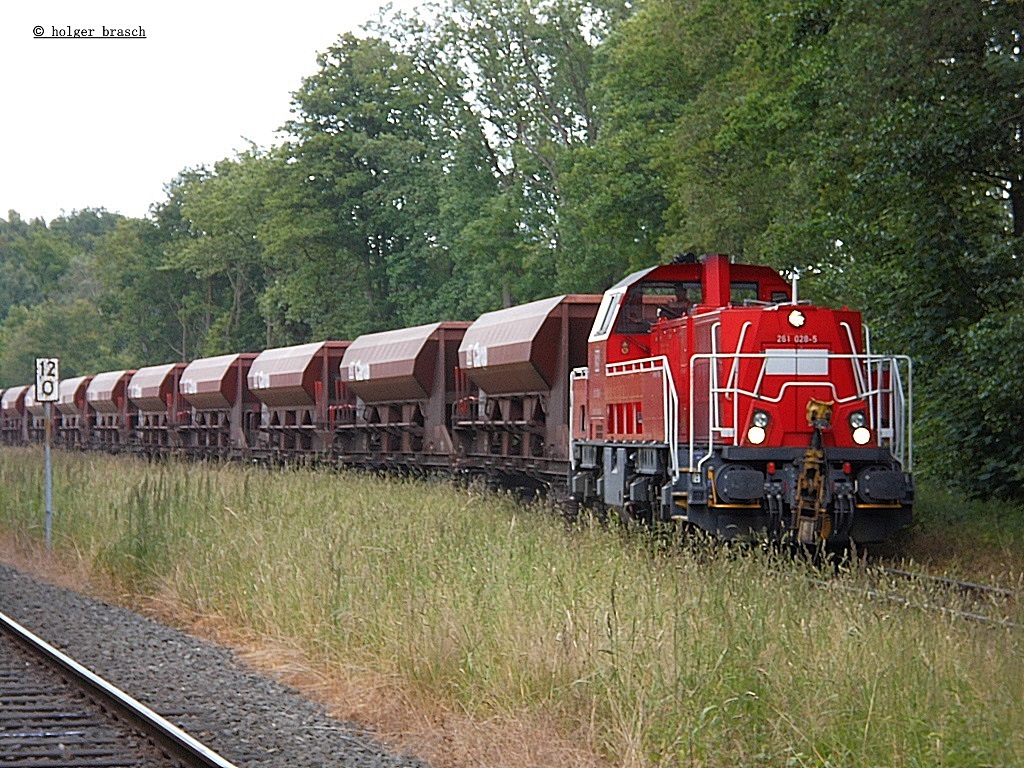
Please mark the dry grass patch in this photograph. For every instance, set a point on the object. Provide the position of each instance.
(480, 631)
(444, 737)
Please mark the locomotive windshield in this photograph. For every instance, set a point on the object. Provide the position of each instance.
(743, 293)
(646, 302)
(605, 315)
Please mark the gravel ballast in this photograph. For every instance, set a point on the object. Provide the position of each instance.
(247, 718)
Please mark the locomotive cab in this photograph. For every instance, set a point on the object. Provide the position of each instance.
(711, 397)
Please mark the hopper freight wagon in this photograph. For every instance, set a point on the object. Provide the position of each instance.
(219, 412)
(73, 421)
(512, 406)
(113, 416)
(301, 393)
(404, 382)
(13, 421)
(154, 394)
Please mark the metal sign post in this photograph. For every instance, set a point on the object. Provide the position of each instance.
(48, 392)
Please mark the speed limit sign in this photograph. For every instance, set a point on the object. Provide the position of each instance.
(47, 379)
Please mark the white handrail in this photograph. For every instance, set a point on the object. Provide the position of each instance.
(858, 374)
(884, 389)
(576, 373)
(879, 394)
(669, 403)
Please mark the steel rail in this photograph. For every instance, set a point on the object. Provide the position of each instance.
(168, 736)
(876, 594)
(943, 581)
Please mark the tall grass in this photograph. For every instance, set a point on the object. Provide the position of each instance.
(660, 655)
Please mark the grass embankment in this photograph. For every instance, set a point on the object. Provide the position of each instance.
(970, 539)
(466, 606)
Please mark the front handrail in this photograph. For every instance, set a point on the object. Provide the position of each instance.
(574, 376)
(884, 382)
(885, 396)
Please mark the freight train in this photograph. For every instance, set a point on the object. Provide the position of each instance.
(699, 391)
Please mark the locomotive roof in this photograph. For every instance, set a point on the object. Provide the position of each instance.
(694, 271)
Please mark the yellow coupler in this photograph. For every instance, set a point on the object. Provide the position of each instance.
(810, 517)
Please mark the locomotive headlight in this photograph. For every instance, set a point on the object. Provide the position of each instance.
(858, 423)
(759, 422)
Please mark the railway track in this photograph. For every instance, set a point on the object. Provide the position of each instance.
(966, 600)
(970, 588)
(55, 712)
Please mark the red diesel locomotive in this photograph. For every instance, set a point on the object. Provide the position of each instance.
(713, 397)
(704, 393)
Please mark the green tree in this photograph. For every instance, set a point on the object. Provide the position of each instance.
(877, 149)
(40, 261)
(355, 239)
(223, 210)
(616, 187)
(17, 283)
(143, 298)
(923, 152)
(529, 72)
(74, 331)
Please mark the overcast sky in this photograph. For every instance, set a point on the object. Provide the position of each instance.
(107, 122)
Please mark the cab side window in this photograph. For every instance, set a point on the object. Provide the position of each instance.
(646, 303)
(741, 293)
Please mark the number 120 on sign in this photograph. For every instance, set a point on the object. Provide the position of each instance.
(47, 379)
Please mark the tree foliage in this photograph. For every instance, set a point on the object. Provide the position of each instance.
(479, 153)
(361, 191)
